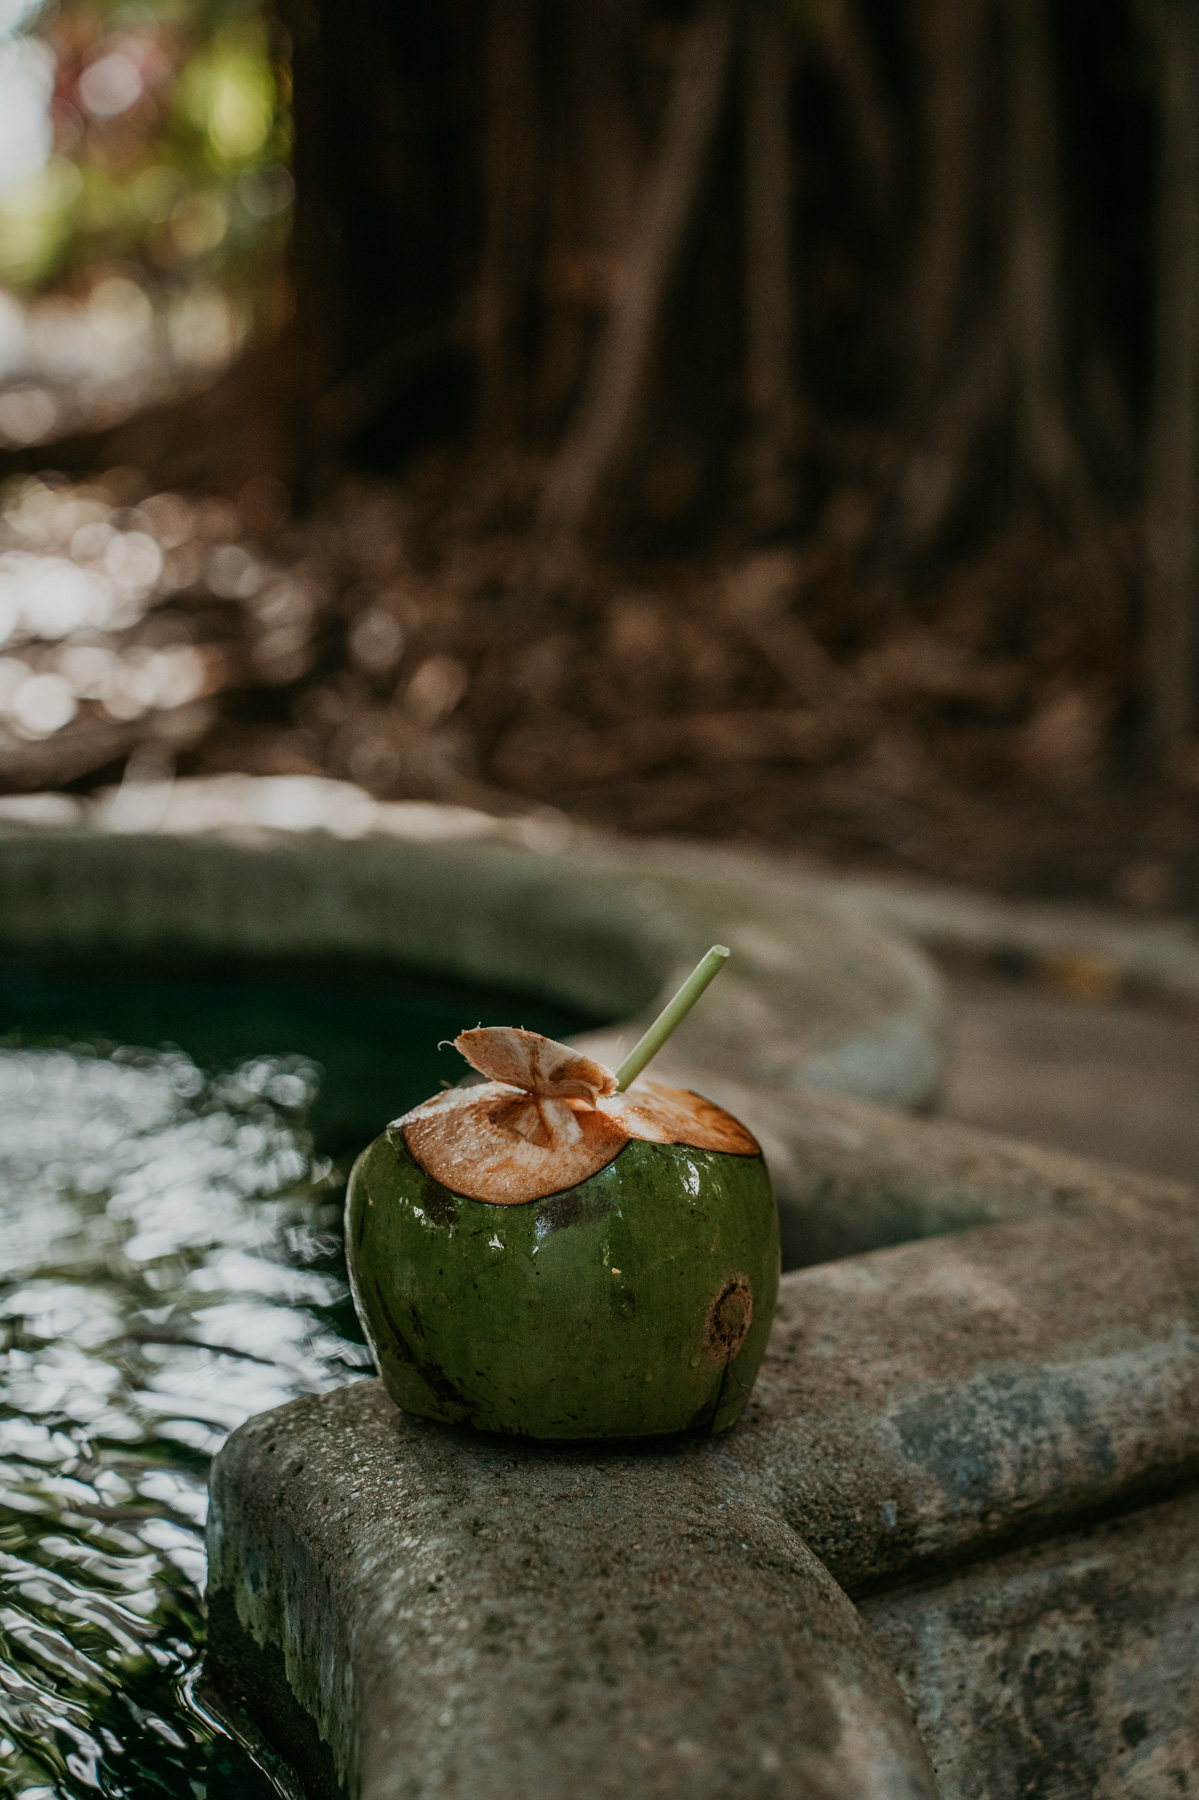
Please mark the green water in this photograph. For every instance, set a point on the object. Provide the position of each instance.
(174, 1144)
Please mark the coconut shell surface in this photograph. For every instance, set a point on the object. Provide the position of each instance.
(634, 1302)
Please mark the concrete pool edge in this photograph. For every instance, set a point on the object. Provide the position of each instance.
(922, 1411)
(814, 1034)
(807, 1001)
(928, 1408)
(470, 1616)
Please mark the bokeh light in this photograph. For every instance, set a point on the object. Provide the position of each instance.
(144, 194)
(94, 627)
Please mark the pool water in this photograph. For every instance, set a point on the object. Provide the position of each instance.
(174, 1144)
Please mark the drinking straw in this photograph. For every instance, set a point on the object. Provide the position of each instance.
(671, 1016)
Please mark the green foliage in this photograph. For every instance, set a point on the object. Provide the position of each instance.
(170, 139)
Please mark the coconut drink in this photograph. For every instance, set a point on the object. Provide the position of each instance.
(564, 1252)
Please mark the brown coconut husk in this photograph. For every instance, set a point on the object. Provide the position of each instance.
(548, 1119)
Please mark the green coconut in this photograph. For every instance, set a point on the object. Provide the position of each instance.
(545, 1256)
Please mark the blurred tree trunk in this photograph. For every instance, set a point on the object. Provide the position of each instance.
(500, 208)
(987, 306)
(951, 373)
(1172, 535)
(388, 129)
(854, 64)
(592, 193)
(950, 43)
(509, 192)
(600, 433)
(769, 277)
(674, 272)
(1046, 442)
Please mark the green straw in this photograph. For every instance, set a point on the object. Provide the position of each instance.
(671, 1016)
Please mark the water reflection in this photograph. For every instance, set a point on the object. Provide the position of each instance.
(171, 1259)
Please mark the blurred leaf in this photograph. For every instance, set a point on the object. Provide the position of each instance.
(228, 91)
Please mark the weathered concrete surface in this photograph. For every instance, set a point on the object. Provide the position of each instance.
(801, 998)
(1158, 956)
(1102, 1078)
(921, 1407)
(807, 999)
(465, 1617)
(1151, 955)
(1070, 1668)
(924, 1404)
(853, 1177)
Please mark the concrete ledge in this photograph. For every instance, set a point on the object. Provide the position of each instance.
(466, 1617)
(926, 1405)
(1152, 956)
(1067, 1668)
(920, 1408)
(413, 1612)
(809, 1004)
(807, 1000)
(1156, 956)
(853, 1177)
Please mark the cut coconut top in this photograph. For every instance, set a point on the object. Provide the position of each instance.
(549, 1118)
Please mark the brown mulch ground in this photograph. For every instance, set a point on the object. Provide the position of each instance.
(778, 696)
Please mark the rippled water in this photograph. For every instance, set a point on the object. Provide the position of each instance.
(170, 1263)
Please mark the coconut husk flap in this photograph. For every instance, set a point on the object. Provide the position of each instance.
(547, 1118)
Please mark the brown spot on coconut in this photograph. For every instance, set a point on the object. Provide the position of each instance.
(729, 1319)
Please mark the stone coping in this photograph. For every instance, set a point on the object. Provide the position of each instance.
(408, 1613)
(807, 1000)
(450, 1610)
(1091, 949)
(1066, 1667)
(303, 865)
(1160, 955)
(1006, 1354)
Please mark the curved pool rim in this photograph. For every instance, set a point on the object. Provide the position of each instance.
(807, 1002)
